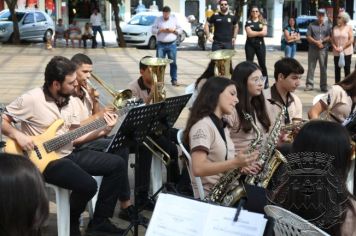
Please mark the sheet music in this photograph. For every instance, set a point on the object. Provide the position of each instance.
(177, 216)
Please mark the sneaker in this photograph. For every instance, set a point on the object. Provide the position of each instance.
(145, 203)
(103, 227)
(131, 214)
(308, 88)
(175, 83)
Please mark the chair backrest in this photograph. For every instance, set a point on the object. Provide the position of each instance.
(187, 155)
(288, 223)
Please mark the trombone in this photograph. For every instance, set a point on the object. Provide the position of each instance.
(120, 97)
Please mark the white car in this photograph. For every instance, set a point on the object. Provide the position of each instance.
(138, 30)
(32, 24)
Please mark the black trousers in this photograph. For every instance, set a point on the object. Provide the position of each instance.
(75, 171)
(168, 143)
(221, 45)
(338, 69)
(257, 47)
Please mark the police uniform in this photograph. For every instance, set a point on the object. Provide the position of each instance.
(224, 30)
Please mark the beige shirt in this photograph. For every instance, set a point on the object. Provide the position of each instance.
(139, 90)
(341, 37)
(205, 136)
(83, 107)
(241, 139)
(340, 103)
(33, 106)
(348, 228)
(294, 106)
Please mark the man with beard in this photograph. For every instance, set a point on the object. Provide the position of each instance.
(225, 28)
(36, 110)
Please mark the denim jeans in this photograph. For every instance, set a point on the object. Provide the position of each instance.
(169, 49)
(95, 30)
(290, 50)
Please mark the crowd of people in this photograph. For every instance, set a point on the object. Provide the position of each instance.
(233, 123)
(74, 32)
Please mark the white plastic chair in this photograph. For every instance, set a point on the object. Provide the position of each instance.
(63, 209)
(198, 181)
(63, 206)
(288, 223)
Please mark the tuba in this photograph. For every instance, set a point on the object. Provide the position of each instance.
(157, 67)
(222, 61)
(120, 97)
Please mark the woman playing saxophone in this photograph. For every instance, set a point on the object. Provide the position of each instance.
(211, 147)
(249, 81)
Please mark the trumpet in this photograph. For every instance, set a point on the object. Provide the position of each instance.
(293, 128)
(120, 97)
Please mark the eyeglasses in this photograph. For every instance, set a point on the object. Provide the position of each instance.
(259, 79)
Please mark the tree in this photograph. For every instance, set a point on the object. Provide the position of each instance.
(120, 37)
(15, 37)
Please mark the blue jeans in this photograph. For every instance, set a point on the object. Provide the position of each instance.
(95, 30)
(169, 49)
(290, 50)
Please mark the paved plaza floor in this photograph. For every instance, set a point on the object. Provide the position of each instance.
(22, 68)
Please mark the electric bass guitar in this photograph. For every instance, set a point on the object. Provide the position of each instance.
(47, 143)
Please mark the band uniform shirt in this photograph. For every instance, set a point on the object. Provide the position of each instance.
(223, 26)
(340, 102)
(84, 106)
(139, 90)
(160, 23)
(240, 138)
(294, 106)
(205, 136)
(42, 111)
(318, 32)
(255, 26)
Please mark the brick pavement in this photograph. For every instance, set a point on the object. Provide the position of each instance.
(22, 68)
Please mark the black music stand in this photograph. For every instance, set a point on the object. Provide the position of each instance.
(2, 143)
(133, 130)
(169, 114)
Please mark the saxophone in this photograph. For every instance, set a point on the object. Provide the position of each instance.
(230, 187)
(227, 183)
(269, 158)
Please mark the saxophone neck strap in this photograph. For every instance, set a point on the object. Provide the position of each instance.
(220, 124)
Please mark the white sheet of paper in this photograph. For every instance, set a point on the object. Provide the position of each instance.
(177, 216)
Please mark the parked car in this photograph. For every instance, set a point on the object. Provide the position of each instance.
(33, 24)
(303, 22)
(138, 30)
